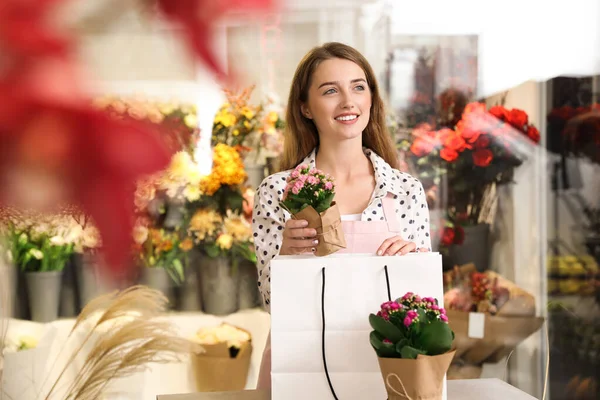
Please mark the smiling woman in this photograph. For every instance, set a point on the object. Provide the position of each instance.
(336, 123)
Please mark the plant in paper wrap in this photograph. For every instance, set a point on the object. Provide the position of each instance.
(413, 342)
(225, 361)
(309, 195)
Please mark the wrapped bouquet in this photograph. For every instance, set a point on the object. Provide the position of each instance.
(413, 342)
(489, 314)
(309, 195)
(225, 361)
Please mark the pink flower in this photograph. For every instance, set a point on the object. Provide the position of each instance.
(443, 317)
(312, 180)
(387, 341)
(435, 307)
(417, 299)
(407, 296)
(412, 314)
(394, 306)
(328, 185)
(407, 321)
(297, 187)
(385, 315)
(442, 311)
(313, 171)
(295, 174)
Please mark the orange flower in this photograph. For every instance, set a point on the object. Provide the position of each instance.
(187, 244)
(500, 112)
(452, 139)
(448, 154)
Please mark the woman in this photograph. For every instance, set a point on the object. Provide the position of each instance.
(336, 123)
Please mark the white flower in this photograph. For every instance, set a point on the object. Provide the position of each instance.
(224, 333)
(57, 241)
(37, 254)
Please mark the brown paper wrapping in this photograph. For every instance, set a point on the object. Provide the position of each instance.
(416, 379)
(216, 371)
(328, 225)
(514, 322)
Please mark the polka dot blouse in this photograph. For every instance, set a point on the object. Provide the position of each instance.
(268, 218)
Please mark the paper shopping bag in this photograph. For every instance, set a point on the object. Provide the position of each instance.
(332, 297)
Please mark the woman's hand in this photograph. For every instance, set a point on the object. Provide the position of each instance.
(396, 246)
(297, 238)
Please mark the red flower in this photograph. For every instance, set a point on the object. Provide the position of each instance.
(421, 147)
(482, 142)
(448, 154)
(518, 118)
(54, 152)
(533, 133)
(500, 112)
(482, 157)
(468, 129)
(447, 236)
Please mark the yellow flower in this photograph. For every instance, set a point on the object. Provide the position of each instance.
(247, 113)
(191, 121)
(187, 244)
(204, 223)
(225, 241)
(236, 132)
(273, 117)
(192, 192)
(180, 166)
(237, 227)
(167, 108)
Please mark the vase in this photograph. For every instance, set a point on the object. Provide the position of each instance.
(69, 296)
(43, 290)
(158, 278)
(219, 285)
(474, 249)
(249, 295)
(188, 294)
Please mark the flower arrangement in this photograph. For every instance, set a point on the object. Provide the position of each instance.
(178, 122)
(237, 119)
(38, 242)
(409, 326)
(228, 235)
(413, 343)
(157, 247)
(309, 194)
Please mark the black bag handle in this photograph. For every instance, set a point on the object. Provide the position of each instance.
(387, 283)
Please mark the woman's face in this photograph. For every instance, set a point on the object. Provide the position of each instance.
(339, 100)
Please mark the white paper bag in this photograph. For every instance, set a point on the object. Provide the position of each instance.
(355, 286)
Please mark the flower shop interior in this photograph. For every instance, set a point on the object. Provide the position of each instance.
(507, 149)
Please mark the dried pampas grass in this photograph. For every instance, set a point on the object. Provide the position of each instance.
(124, 337)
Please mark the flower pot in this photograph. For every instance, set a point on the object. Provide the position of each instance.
(219, 285)
(249, 296)
(43, 290)
(158, 278)
(188, 293)
(90, 281)
(420, 378)
(69, 291)
(474, 249)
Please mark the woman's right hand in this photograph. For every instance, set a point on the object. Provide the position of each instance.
(298, 238)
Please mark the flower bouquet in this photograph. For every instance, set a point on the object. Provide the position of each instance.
(309, 196)
(507, 314)
(413, 342)
(225, 361)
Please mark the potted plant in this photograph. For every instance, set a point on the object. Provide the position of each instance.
(40, 245)
(413, 343)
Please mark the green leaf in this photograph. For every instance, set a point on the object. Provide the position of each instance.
(382, 349)
(385, 328)
(212, 250)
(410, 352)
(325, 203)
(436, 338)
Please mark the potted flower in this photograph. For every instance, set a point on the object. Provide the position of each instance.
(413, 343)
(224, 242)
(40, 245)
(309, 195)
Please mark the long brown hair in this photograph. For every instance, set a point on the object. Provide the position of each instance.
(301, 135)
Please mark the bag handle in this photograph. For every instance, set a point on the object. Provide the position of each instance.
(387, 283)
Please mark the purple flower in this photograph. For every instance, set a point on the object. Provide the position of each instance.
(407, 321)
(443, 317)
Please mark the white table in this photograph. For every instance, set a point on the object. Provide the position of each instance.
(468, 389)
